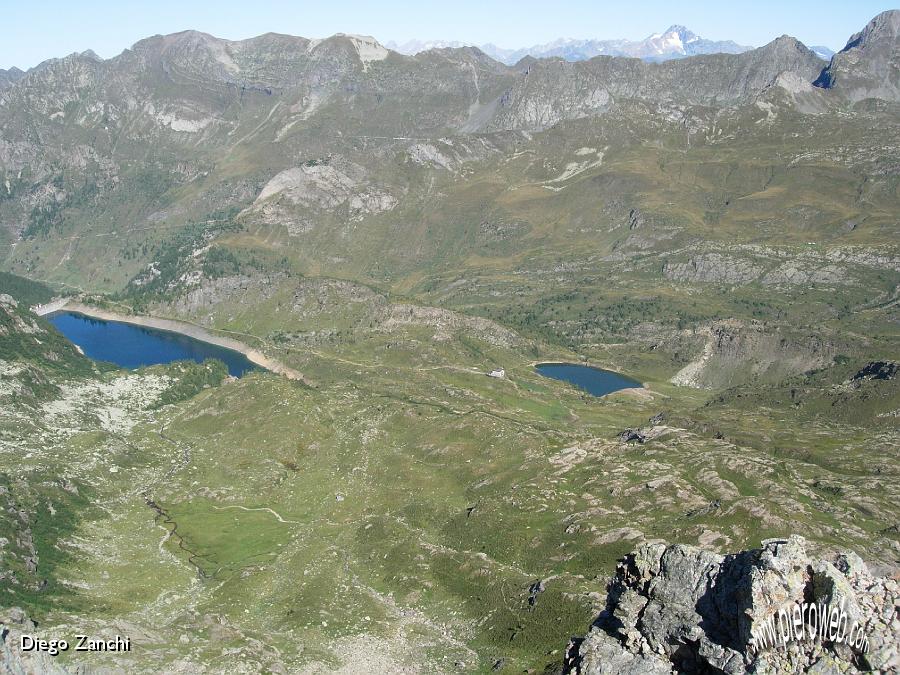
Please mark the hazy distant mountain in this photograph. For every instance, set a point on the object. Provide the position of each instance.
(412, 47)
(676, 42)
(9, 77)
(823, 51)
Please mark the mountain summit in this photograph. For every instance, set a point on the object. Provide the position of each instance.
(866, 66)
(10, 77)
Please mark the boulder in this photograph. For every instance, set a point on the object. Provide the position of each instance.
(681, 609)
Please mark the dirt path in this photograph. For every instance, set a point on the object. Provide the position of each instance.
(182, 327)
(261, 508)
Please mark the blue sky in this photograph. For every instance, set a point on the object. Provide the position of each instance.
(33, 31)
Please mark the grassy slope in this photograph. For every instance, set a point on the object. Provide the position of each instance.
(374, 472)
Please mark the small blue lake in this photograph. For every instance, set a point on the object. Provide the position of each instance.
(131, 346)
(593, 380)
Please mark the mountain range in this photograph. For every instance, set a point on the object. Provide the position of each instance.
(181, 122)
(674, 43)
(281, 128)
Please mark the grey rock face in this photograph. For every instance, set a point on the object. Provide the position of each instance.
(553, 90)
(10, 77)
(713, 267)
(682, 609)
(13, 661)
(733, 346)
(868, 66)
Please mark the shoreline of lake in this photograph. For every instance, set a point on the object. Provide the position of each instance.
(641, 390)
(173, 326)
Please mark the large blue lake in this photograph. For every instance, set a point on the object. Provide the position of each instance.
(593, 380)
(132, 346)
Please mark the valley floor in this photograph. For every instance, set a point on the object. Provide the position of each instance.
(400, 515)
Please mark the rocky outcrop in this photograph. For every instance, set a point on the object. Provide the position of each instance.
(878, 370)
(29, 342)
(776, 266)
(445, 322)
(867, 66)
(312, 185)
(713, 268)
(737, 351)
(13, 661)
(316, 186)
(14, 321)
(681, 609)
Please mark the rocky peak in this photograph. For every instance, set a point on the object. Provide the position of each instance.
(867, 67)
(52, 84)
(788, 47)
(673, 40)
(760, 68)
(189, 54)
(683, 609)
(468, 59)
(162, 47)
(9, 77)
(273, 43)
(883, 27)
(350, 50)
(682, 32)
(84, 61)
(182, 39)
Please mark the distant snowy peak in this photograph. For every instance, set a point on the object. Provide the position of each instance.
(823, 52)
(416, 46)
(676, 42)
(673, 41)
